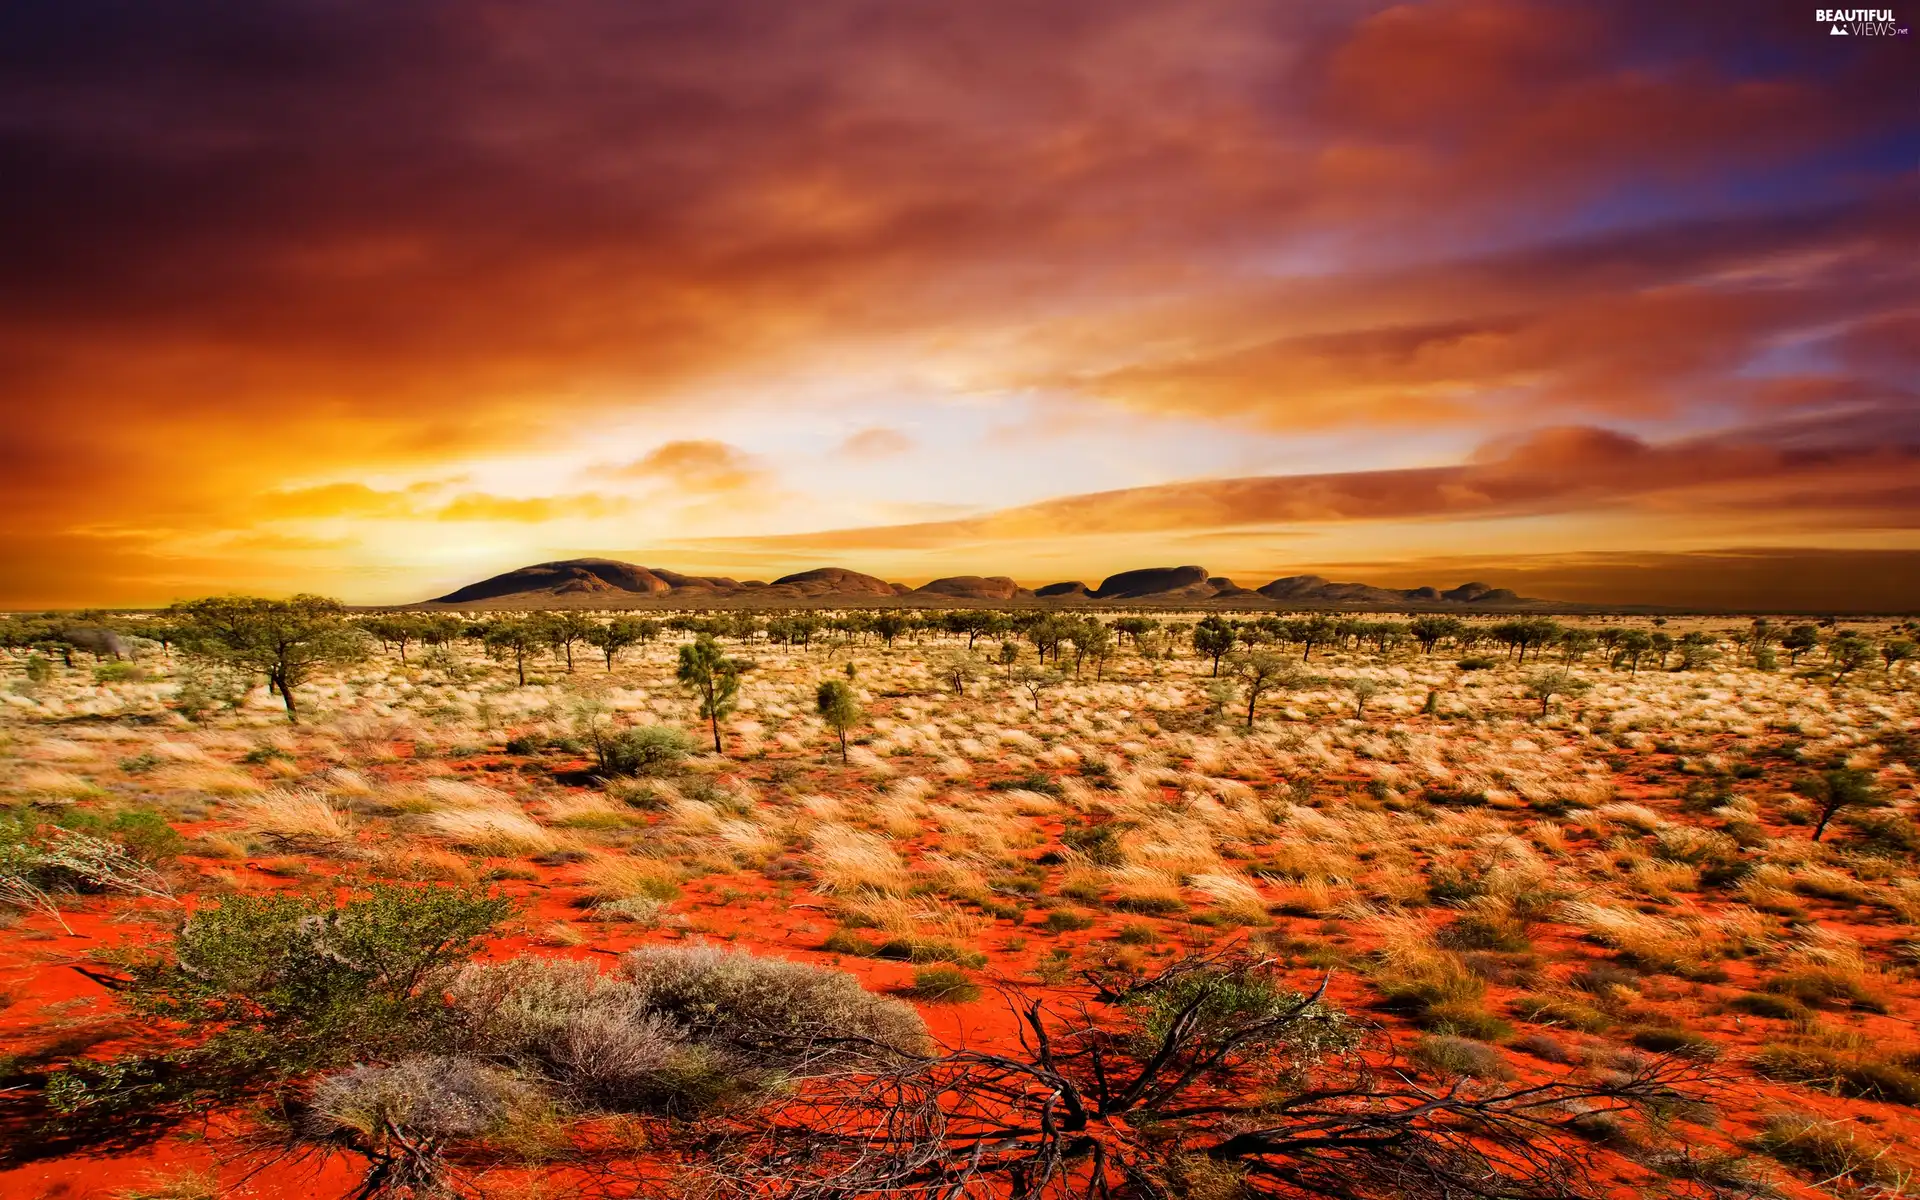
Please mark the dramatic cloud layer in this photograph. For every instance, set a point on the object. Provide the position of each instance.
(373, 298)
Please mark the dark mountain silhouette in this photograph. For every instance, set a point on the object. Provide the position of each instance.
(974, 587)
(835, 581)
(609, 583)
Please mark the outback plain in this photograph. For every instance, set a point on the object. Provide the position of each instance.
(1042, 902)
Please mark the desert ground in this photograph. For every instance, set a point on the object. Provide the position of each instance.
(1611, 892)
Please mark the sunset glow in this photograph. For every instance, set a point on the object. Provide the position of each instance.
(1611, 301)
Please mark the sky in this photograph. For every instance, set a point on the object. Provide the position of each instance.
(1604, 301)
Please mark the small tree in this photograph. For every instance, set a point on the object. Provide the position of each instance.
(1364, 689)
(1848, 652)
(1009, 655)
(1895, 652)
(613, 637)
(1263, 672)
(567, 629)
(1634, 645)
(1430, 631)
(1799, 640)
(956, 672)
(839, 707)
(285, 640)
(713, 678)
(515, 637)
(890, 625)
(1545, 685)
(1214, 637)
(1037, 680)
(1838, 789)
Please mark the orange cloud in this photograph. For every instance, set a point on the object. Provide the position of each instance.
(1549, 471)
(693, 466)
(875, 443)
(425, 241)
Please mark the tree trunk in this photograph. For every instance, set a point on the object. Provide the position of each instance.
(286, 694)
(1253, 698)
(715, 719)
(1826, 814)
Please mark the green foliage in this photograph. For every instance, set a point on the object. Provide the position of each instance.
(713, 678)
(1063, 920)
(1100, 844)
(943, 985)
(286, 984)
(285, 640)
(1244, 1006)
(642, 750)
(839, 707)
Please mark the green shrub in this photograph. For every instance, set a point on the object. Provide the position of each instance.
(1063, 920)
(1477, 662)
(1483, 931)
(643, 750)
(943, 985)
(922, 949)
(1137, 933)
(1099, 844)
(288, 983)
(1450, 1055)
(1682, 1042)
(143, 831)
(846, 941)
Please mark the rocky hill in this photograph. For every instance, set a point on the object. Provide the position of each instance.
(609, 583)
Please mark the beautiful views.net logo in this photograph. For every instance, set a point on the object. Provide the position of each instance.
(1859, 22)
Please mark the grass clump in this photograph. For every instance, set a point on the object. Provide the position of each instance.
(1827, 1150)
(1448, 1054)
(1894, 1081)
(1828, 986)
(1065, 920)
(943, 985)
(1556, 1010)
(1683, 1042)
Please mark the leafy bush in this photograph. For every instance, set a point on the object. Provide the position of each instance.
(642, 750)
(1477, 662)
(289, 984)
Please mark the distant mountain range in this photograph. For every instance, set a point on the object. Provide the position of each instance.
(608, 583)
